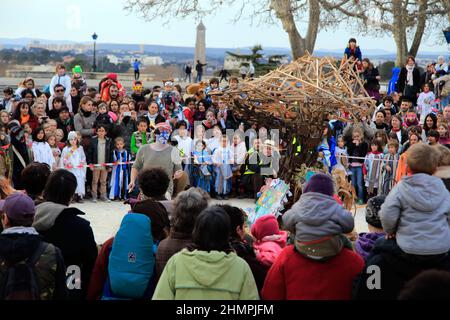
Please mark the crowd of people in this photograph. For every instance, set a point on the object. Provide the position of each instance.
(167, 153)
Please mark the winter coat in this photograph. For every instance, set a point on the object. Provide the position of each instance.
(365, 243)
(125, 130)
(295, 277)
(92, 153)
(246, 252)
(63, 80)
(202, 275)
(269, 248)
(85, 125)
(61, 226)
(417, 210)
(66, 126)
(357, 53)
(396, 268)
(17, 245)
(173, 244)
(316, 216)
(159, 218)
(401, 82)
(100, 272)
(369, 133)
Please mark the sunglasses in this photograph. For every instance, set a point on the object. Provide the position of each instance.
(60, 90)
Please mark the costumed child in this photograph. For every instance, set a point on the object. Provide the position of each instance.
(371, 167)
(56, 152)
(202, 166)
(42, 151)
(270, 241)
(74, 160)
(121, 172)
(327, 149)
(410, 119)
(341, 156)
(426, 103)
(223, 159)
(388, 168)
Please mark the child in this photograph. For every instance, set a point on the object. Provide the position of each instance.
(202, 171)
(392, 137)
(74, 159)
(417, 210)
(51, 140)
(270, 241)
(222, 159)
(425, 102)
(61, 78)
(318, 220)
(371, 168)
(357, 150)
(366, 241)
(341, 155)
(59, 136)
(121, 171)
(443, 133)
(388, 168)
(433, 137)
(141, 136)
(184, 145)
(103, 118)
(100, 152)
(41, 150)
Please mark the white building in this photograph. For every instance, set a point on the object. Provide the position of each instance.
(151, 61)
(113, 59)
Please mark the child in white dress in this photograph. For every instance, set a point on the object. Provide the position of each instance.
(41, 150)
(74, 160)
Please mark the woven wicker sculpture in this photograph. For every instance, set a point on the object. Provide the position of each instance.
(297, 99)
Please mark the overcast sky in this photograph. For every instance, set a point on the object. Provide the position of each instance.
(77, 20)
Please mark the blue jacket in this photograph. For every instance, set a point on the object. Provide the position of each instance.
(357, 53)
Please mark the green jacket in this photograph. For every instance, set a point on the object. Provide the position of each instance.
(202, 275)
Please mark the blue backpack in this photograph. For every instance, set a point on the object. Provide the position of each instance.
(131, 261)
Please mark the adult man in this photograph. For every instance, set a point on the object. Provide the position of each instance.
(21, 250)
(199, 68)
(188, 72)
(223, 75)
(243, 71)
(59, 92)
(136, 65)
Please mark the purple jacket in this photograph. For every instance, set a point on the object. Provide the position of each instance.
(365, 242)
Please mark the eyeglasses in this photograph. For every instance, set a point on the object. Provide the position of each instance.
(59, 90)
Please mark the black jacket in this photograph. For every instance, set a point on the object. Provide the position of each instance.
(396, 268)
(51, 273)
(65, 127)
(401, 82)
(359, 151)
(62, 227)
(92, 154)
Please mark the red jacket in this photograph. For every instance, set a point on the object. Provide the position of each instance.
(295, 277)
(100, 272)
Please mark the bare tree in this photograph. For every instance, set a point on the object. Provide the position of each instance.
(288, 12)
(405, 20)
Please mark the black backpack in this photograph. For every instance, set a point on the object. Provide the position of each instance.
(20, 281)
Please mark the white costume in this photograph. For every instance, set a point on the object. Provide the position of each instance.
(43, 153)
(74, 159)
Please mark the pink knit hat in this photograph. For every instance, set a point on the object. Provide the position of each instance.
(265, 226)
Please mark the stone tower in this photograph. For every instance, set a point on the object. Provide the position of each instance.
(200, 44)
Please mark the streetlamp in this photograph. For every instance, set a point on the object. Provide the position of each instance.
(94, 66)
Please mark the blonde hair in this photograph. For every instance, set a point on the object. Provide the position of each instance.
(444, 155)
(423, 158)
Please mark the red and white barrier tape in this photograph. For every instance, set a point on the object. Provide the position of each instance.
(111, 164)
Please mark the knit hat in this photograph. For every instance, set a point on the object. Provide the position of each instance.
(265, 226)
(320, 183)
(112, 76)
(72, 135)
(373, 209)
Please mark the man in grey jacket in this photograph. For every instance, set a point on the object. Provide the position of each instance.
(417, 210)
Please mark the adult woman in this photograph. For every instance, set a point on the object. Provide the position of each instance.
(19, 154)
(75, 97)
(430, 123)
(39, 110)
(60, 225)
(153, 115)
(200, 112)
(24, 114)
(187, 206)
(114, 107)
(159, 154)
(396, 126)
(209, 268)
(379, 122)
(84, 121)
(371, 79)
(409, 80)
(4, 117)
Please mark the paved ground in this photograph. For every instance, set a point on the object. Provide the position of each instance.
(105, 218)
